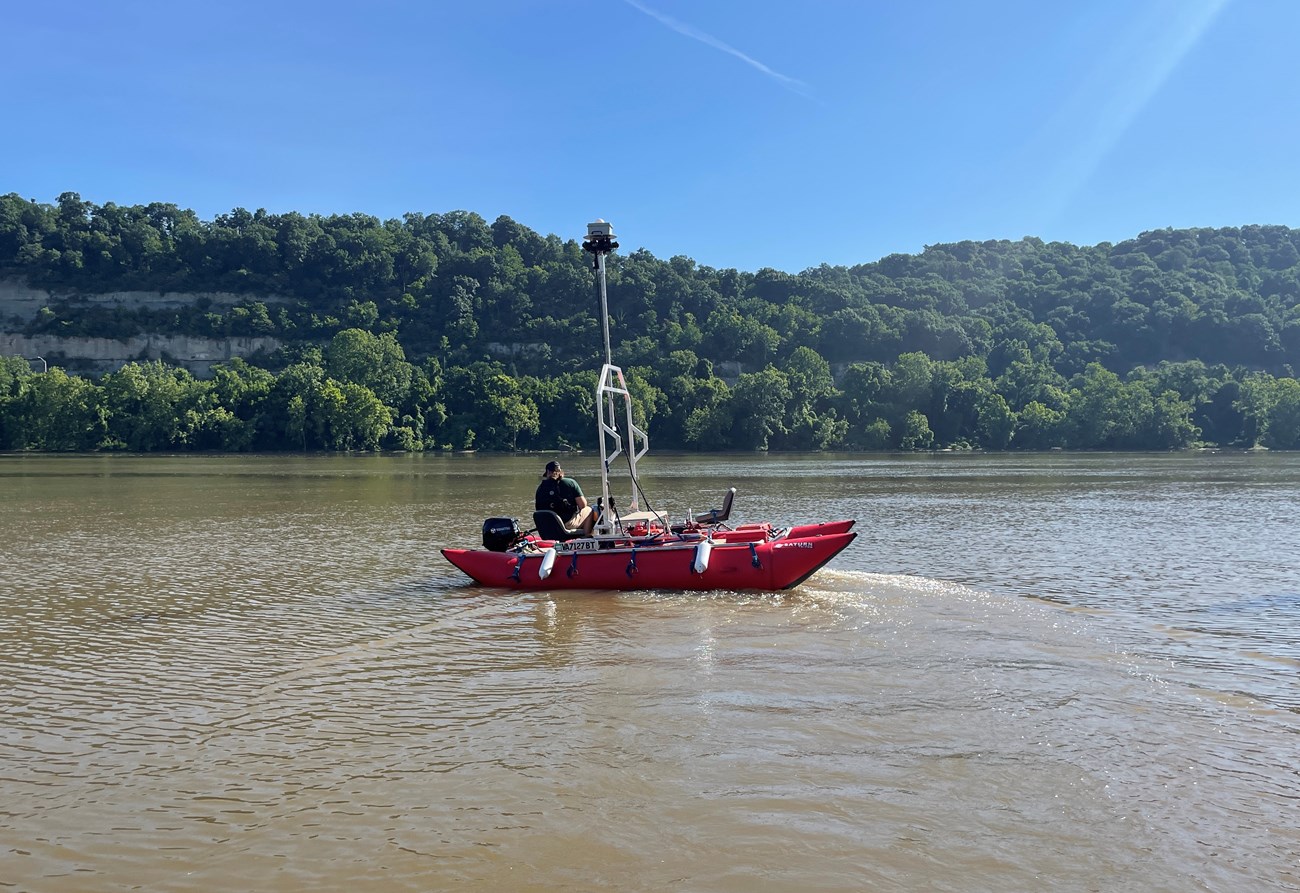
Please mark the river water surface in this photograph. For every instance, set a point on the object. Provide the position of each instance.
(1030, 672)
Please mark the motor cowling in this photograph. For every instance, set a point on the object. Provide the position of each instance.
(499, 534)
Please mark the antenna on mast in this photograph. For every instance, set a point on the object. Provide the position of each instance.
(600, 242)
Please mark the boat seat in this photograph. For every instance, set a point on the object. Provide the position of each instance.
(713, 516)
(550, 527)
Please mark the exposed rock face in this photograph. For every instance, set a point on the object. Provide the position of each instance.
(108, 354)
(17, 300)
(19, 304)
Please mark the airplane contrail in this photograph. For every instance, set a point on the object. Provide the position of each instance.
(709, 40)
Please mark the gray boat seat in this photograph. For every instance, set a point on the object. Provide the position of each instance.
(713, 516)
(550, 527)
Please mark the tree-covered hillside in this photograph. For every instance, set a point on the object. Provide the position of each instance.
(487, 336)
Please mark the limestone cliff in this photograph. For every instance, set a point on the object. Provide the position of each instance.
(20, 304)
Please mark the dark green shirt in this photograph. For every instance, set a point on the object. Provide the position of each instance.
(560, 497)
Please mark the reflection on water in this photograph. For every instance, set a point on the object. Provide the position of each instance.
(257, 673)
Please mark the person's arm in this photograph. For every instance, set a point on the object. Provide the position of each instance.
(575, 490)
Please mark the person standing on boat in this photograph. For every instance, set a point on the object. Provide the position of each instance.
(564, 497)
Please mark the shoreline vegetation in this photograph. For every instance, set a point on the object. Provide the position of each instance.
(444, 332)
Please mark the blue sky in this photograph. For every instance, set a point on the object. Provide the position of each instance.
(741, 134)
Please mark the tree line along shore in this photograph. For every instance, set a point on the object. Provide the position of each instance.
(445, 332)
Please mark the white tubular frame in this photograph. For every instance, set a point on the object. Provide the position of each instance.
(612, 386)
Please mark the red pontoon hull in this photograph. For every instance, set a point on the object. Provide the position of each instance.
(758, 532)
(739, 564)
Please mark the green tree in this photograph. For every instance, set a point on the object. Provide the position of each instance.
(566, 409)
(376, 362)
(149, 404)
(758, 405)
(13, 373)
(233, 416)
(1101, 414)
(1258, 394)
(1040, 427)
(997, 422)
(1170, 426)
(299, 407)
(912, 382)
(916, 433)
(1283, 431)
(56, 412)
(487, 409)
(708, 416)
(356, 418)
(810, 422)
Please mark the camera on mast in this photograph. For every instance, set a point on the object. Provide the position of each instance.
(600, 237)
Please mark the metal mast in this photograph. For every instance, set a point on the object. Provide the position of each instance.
(611, 388)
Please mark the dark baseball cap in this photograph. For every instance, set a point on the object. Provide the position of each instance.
(552, 466)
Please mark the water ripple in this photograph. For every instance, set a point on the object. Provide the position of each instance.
(269, 681)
